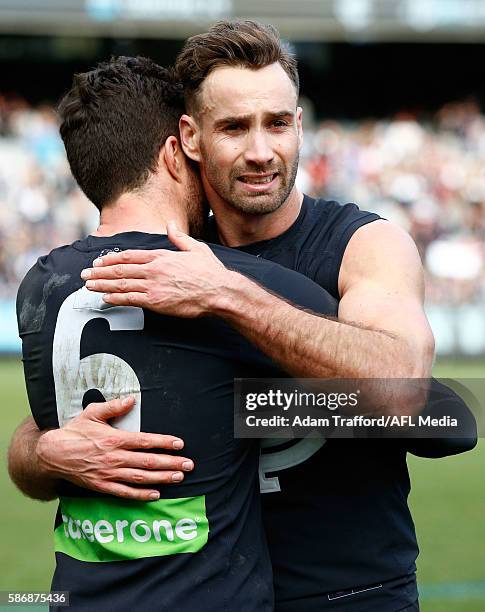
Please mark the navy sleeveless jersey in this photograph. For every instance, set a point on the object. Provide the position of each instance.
(201, 546)
(340, 533)
(341, 522)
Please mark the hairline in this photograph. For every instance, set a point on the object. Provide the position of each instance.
(193, 106)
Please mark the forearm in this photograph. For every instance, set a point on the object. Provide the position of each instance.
(24, 466)
(309, 345)
(88, 452)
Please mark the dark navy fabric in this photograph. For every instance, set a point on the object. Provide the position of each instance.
(186, 369)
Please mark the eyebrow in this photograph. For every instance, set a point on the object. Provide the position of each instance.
(242, 118)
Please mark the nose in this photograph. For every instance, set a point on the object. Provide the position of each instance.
(258, 149)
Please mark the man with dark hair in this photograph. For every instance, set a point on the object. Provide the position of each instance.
(200, 546)
(352, 545)
(134, 128)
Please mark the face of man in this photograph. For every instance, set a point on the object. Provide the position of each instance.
(249, 137)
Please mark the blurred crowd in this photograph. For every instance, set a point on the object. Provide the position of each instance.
(428, 176)
(40, 204)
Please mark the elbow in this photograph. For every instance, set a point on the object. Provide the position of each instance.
(411, 397)
(36, 495)
(28, 487)
(412, 385)
(14, 467)
(404, 389)
(427, 353)
(419, 358)
(25, 484)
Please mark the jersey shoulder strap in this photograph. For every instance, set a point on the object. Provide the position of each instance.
(329, 226)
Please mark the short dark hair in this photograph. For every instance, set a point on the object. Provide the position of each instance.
(114, 120)
(244, 43)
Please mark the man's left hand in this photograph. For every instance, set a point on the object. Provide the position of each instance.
(185, 283)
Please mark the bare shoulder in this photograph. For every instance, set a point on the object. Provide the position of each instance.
(381, 249)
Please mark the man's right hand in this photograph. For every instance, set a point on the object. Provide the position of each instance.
(92, 454)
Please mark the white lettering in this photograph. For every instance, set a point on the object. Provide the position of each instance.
(65, 521)
(87, 529)
(136, 536)
(186, 529)
(120, 525)
(168, 530)
(308, 421)
(103, 532)
(74, 530)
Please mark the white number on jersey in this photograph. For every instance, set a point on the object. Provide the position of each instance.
(110, 374)
(283, 459)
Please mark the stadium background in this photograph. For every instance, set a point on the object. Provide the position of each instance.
(393, 96)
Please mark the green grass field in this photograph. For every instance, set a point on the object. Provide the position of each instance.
(447, 500)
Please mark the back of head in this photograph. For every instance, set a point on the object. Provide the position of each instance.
(114, 120)
(243, 43)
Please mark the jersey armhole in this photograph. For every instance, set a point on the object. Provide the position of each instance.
(341, 244)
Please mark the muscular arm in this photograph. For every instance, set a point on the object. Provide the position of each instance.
(90, 453)
(382, 331)
(385, 333)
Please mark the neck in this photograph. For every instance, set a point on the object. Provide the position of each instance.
(237, 228)
(140, 213)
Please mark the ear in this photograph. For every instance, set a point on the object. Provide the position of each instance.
(299, 126)
(172, 155)
(189, 137)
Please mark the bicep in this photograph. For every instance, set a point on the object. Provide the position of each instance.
(373, 305)
(382, 286)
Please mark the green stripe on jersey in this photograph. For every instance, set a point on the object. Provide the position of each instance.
(112, 529)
